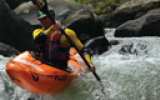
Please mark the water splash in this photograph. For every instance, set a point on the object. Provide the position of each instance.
(125, 76)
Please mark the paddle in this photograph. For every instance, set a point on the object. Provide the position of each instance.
(42, 6)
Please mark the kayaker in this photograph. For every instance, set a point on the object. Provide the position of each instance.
(53, 44)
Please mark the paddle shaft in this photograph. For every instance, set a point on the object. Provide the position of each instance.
(42, 6)
(97, 77)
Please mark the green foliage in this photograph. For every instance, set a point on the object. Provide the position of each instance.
(94, 1)
(84, 1)
(100, 4)
(96, 11)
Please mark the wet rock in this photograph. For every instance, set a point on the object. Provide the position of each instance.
(97, 45)
(151, 26)
(15, 31)
(114, 42)
(128, 11)
(147, 25)
(14, 3)
(7, 50)
(134, 49)
(84, 22)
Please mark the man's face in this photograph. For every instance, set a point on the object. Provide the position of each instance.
(46, 22)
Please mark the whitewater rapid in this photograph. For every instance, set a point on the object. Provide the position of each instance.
(126, 76)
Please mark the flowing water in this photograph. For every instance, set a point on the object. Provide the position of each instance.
(129, 71)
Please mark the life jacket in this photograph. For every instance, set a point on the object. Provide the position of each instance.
(54, 51)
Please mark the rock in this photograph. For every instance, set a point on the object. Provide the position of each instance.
(122, 1)
(28, 11)
(14, 3)
(15, 31)
(128, 11)
(114, 42)
(97, 45)
(84, 22)
(134, 49)
(63, 15)
(151, 26)
(7, 50)
(129, 29)
(147, 25)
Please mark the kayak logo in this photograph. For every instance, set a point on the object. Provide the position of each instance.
(61, 77)
(35, 76)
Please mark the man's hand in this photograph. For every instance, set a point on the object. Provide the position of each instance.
(92, 69)
(57, 26)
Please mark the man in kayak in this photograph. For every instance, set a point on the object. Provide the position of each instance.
(53, 44)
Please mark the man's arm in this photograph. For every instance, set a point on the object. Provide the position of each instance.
(71, 34)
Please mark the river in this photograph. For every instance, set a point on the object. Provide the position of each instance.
(132, 74)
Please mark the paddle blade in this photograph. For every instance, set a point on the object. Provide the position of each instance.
(40, 4)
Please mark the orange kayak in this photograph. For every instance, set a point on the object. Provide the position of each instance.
(40, 78)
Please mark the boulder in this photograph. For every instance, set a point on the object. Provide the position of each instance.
(15, 31)
(84, 23)
(128, 11)
(151, 27)
(63, 15)
(147, 25)
(134, 49)
(28, 11)
(14, 3)
(89, 29)
(7, 50)
(97, 45)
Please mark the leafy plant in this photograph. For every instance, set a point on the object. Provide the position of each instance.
(100, 4)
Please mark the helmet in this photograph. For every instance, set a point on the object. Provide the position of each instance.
(40, 14)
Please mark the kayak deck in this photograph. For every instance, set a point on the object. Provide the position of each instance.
(37, 77)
